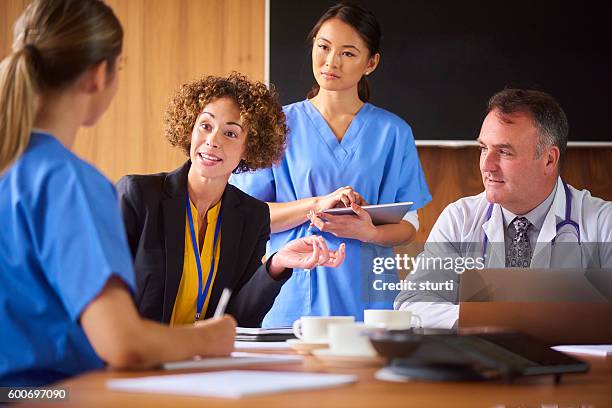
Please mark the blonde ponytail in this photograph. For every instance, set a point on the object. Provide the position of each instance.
(17, 93)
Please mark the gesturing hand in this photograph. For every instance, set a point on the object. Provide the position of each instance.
(306, 253)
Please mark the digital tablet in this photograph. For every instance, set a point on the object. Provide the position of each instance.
(380, 213)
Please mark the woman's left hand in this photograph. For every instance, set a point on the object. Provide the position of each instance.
(306, 253)
(358, 226)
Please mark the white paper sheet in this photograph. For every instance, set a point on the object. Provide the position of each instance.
(230, 384)
(592, 349)
(260, 331)
(237, 359)
(262, 345)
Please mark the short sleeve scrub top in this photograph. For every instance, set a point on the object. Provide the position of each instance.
(378, 158)
(61, 239)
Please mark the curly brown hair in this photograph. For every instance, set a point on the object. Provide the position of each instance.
(260, 111)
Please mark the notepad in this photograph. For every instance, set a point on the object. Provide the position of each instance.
(265, 345)
(230, 384)
(602, 350)
(264, 335)
(260, 330)
(237, 358)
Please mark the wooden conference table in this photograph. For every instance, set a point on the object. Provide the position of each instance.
(592, 390)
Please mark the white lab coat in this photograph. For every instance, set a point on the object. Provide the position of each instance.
(462, 225)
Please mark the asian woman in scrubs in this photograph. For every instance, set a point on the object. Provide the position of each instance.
(341, 151)
(65, 266)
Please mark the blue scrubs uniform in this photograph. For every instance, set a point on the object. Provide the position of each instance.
(61, 239)
(378, 158)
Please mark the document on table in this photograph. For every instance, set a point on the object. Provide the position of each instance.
(274, 334)
(236, 359)
(259, 330)
(230, 384)
(263, 345)
(602, 350)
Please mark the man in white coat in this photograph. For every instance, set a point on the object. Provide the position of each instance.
(526, 217)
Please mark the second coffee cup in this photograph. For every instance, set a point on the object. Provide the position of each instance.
(351, 340)
(314, 329)
(391, 319)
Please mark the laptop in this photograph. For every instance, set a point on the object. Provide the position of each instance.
(556, 306)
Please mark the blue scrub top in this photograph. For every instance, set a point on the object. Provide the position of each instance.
(62, 238)
(378, 158)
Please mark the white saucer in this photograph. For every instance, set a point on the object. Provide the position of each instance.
(385, 374)
(329, 357)
(305, 348)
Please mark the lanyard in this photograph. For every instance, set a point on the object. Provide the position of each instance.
(202, 295)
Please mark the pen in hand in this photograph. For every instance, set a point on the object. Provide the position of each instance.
(222, 305)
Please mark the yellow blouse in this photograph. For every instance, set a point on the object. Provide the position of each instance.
(186, 300)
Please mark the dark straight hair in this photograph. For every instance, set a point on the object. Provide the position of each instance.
(365, 23)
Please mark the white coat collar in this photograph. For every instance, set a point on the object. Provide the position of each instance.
(549, 228)
(543, 249)
(494, 228)
(496, 247)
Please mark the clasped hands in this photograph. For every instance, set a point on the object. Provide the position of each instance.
(358, 226)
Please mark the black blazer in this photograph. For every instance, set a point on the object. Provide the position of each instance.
(154, 211)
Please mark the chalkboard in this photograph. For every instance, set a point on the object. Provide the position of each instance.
(442, 60)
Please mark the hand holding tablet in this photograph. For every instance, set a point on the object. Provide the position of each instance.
(380, 213)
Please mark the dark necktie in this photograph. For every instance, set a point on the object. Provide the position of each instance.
(519, 253)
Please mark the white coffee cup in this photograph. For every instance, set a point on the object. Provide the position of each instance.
(313, 329)
(351, 339)
(391, 319)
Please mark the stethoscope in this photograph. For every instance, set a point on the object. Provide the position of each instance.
(566, 221)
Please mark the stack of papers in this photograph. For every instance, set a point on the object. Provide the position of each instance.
(259, 334)
(261, 345)
(230, 384)
(260, 330)
(602, 350)
(236, 359)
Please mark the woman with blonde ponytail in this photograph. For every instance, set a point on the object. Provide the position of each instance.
(16, 104)
(65, 266)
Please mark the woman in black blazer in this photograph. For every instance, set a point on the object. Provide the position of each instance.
(224, 125)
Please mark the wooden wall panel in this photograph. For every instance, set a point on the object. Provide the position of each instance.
(9, 11)
(169, 42)
(453, 173)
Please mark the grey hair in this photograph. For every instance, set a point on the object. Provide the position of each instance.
(546, 113)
